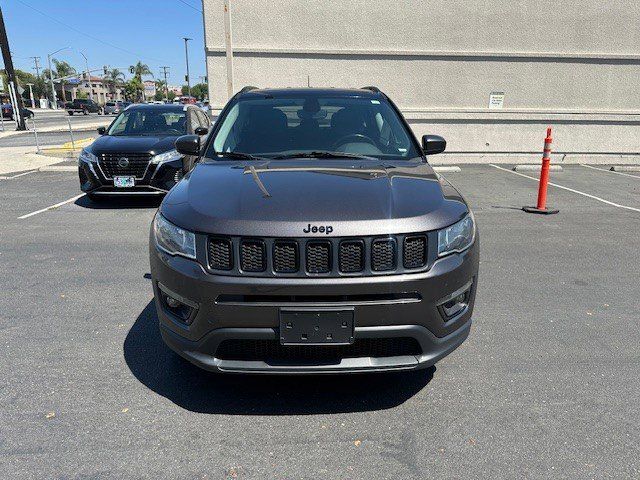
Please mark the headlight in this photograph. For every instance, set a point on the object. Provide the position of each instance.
(458, 237)
(88, 157)
(173, 240)
(169, 156)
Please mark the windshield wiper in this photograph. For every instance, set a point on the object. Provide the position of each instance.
(239, 156)
(322, 154)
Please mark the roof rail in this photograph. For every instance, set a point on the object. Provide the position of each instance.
(371, 88)
(248, 88)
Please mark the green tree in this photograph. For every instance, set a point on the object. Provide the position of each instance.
(63, 69)
(200, 91)
(132, 89)
(138, 71)
(114, 79)
(171, 96)
(159, 95)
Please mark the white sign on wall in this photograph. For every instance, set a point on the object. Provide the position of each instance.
(496, 100)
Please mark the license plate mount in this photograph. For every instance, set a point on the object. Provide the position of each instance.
(316, 326)
(124, 182)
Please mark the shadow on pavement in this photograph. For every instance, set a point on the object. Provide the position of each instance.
(119, 202)
(167, 374)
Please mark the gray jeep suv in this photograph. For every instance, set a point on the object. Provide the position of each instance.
(311, 236)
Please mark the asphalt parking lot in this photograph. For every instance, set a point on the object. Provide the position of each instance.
(546, 386)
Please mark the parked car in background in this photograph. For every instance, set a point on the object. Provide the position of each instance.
(136, 153)
(83, 106)
(6, 110)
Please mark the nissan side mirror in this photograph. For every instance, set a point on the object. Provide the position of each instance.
(188, 145)
(432, 144)
(102, 130)
(201, 131)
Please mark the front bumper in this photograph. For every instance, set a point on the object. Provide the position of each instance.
(157, 180)
(247, 309)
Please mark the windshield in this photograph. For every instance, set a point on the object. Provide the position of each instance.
(149, 122)
(281, 127)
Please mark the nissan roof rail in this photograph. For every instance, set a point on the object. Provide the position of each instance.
(371, 88)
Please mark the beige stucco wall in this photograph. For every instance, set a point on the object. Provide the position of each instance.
(575, 65)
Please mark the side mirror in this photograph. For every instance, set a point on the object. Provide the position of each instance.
(432, 144)
(101, 130)
(202, 131)
(188, 145)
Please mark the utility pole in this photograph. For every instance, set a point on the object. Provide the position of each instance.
(228, 46)
(11, 76)
(37, 66)
(186, 54)
(166, 85)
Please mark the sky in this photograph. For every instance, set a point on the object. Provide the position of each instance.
(117, 33)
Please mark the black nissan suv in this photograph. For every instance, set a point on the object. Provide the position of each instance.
(312, 236)
(136, 153)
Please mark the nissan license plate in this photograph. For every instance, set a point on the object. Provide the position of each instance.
(124, 182)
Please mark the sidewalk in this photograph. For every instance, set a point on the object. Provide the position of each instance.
(20, 159)
(10, 129)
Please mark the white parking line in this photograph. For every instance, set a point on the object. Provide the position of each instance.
(610, 171)
(72, 199)
(570, 190)
(18, 175)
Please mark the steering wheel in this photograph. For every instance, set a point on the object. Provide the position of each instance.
(354, 138)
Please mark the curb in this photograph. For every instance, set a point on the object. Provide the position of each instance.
(446, 169)
(58, 168)
(536, 168)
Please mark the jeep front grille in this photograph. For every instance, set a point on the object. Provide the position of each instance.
(383, 255)
(318, 257)
(113, 164)
(415, 251)
(253, 257)
(285, 256)
(351, 256)
(220, 254)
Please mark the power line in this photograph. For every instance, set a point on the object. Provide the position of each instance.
(190, 6)
(86, 34)
(37, 66)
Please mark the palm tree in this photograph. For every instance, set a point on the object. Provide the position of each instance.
(63, 69)
(138, 71)
(114, 78)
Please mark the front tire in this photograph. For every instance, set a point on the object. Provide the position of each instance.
(70, 113)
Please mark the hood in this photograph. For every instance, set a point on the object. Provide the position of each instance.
(132, 144)
(284, 198)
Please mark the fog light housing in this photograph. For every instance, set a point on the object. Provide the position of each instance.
(456, 303)
(182, 309)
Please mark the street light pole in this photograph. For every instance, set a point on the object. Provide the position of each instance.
(53, 90)
(86, 64)
(186, 54)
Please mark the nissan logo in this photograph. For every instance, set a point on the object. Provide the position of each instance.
(123, 162)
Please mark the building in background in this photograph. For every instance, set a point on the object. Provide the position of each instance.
(101, 91)
(489, 76)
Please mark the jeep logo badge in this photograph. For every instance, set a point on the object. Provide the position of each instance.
(123, 162)
(318, 229)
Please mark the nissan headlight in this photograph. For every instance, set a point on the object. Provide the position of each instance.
(87, 157)
(169, 156)
(458, 237)
(172, 239)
